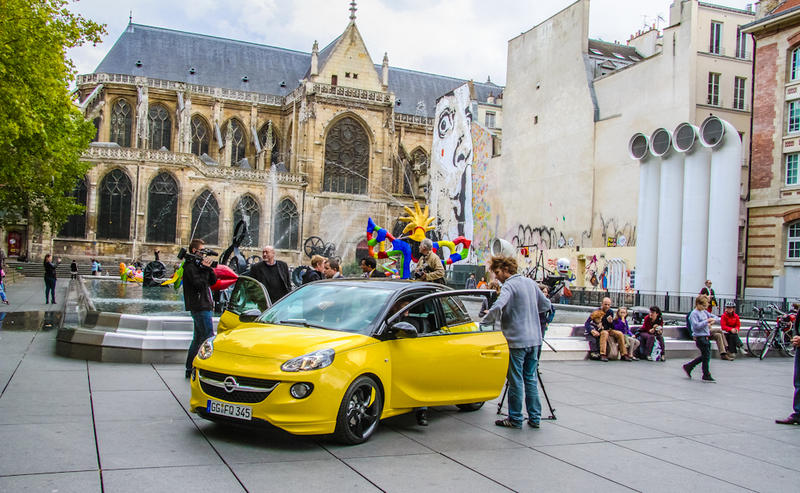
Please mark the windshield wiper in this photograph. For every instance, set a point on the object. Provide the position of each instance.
(303, 323)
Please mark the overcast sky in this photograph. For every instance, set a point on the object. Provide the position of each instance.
(467, 39)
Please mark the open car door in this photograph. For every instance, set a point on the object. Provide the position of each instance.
(248, 294)
(441, 354)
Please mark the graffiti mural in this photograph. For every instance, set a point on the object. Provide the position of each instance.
(613, 235)
(481, 210)
(539, 237)
(451, 165)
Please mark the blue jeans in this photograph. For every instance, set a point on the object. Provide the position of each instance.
(49, 289)
(704, 359)
(522, 364)
(796, 400)
(203, 329)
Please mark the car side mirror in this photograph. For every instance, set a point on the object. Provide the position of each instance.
(250, 315)
(404, 330)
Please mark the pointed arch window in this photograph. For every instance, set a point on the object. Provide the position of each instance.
(287, 225)
(121, 122)
(346, 158)
(237, 142)
(247, 209)
(201, 136)
(162, 209)
(75, 227)
(159, 128)
(114, 208)
(205, 218)
(275, 155)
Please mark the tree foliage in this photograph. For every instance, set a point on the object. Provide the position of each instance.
(42, 133)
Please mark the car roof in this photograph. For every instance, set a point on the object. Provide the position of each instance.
(387, 284)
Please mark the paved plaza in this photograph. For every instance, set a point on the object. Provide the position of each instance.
(69, 425)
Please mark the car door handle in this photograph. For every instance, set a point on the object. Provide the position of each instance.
(491, 352)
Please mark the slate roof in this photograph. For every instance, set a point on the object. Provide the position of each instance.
(219, 62)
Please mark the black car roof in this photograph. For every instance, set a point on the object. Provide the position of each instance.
(387, 284)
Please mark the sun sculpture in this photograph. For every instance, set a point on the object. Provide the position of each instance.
(398, 250)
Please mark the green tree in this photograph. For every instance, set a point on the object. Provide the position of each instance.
(42, 133)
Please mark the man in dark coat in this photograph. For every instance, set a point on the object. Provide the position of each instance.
(273, 274)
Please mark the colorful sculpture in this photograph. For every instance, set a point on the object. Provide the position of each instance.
(129, 273)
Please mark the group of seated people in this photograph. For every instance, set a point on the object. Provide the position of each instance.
(604, 326)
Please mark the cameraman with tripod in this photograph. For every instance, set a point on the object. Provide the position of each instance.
(518, 307)
(198, 276)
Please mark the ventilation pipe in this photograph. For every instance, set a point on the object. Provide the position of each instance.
(723, 203)
(670, 211)
(647, 222)
(696, 169)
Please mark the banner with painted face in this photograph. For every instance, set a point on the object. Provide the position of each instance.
(450, 187)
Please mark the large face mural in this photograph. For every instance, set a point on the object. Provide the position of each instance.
(450, 194)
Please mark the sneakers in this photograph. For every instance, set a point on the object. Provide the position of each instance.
(688, 370)
(533, 424)
(649, 358)
(708, 378)
(422, 417)
(507, 423)
(726, 357)
(788, 421)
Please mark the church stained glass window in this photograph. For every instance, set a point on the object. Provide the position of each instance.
(201, 135)
(114, 207)
(287, 225)
(121, 122)
(247, 209)
(346, 158)
(159, 128)
(205, 218)
(237, 142)
(162, 209)
(262, 138)
(75, 227)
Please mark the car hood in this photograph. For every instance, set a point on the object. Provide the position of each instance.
(281, 342)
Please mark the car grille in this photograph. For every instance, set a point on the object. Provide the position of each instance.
(211, 382)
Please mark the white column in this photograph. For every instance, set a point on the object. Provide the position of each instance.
(647, 219)
(723, 203)
(696, 180)
(670, 211)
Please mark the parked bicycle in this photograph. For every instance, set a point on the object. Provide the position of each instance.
(767, 335)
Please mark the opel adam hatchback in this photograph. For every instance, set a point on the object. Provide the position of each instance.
(336, 357)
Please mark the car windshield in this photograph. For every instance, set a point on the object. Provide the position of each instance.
(334, 306)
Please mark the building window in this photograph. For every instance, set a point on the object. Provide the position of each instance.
(276, 148)
(121, 122)
(792, 161)
(793, 240)
(346, 158)
(287, 225)
(741, 43)
(794, 117)
(201, 135)
(738, 93)
(159, 128)
(490, 119)
(334, 80)
(75, 227)
(235, 133)
(795, 64)
(713, 89)
(247, 210)
(716, 35)
(162, 209)
(114, 208)
(205, 218)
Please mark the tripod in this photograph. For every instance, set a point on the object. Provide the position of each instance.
(541, 384)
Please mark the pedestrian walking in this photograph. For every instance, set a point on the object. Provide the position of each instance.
(3, 286)
(518, 306)
(701, 320)
(50, 279)
(794, 418)
(73, 269)
(95, 267)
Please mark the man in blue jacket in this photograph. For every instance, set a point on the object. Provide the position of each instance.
(518, 307)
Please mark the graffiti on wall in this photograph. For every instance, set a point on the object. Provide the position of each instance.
(481, 210)
(615, 235)
(540, 238)
(451, 165)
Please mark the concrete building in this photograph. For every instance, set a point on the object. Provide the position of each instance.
(773, 206)
(196, 133)
(568, 186)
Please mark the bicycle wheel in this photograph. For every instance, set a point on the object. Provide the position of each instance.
(756, 340)
(770, 342)
(786, 344)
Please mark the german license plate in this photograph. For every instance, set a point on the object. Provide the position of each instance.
(231, 410)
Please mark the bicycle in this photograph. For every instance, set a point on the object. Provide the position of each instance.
(765, 336)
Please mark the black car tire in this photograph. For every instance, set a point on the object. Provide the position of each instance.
(359, 412)
(468, 408)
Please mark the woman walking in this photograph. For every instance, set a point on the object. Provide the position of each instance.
(701, 321)
(50, 279)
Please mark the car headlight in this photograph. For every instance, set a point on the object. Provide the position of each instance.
(206, 349)
(311, 361)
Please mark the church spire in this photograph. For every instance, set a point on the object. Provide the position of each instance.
(353, 11)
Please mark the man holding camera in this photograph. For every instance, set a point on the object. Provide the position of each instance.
(429, 267)
(198, 277)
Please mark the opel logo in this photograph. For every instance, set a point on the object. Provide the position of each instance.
(230, 384)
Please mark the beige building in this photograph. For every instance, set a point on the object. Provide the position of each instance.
(567, 184)
(196, 133)
(773, 226)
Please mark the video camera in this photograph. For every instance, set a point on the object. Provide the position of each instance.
(197, 258)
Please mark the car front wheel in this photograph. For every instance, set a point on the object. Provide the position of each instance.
(359, 412)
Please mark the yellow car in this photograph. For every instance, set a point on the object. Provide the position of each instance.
(335, 357)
